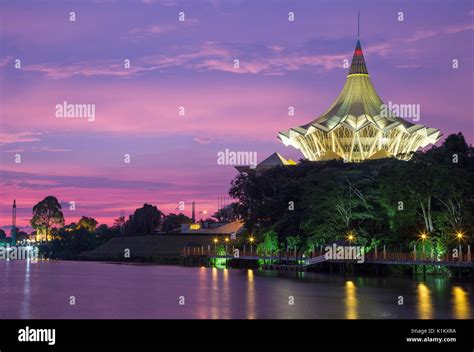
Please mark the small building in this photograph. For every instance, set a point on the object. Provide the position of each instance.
(273, 160)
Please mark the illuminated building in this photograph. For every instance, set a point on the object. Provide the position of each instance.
(357, 126)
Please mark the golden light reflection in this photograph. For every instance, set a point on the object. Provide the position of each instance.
(203, 290)
(214, 294)
(461, 303)
(25, 306)
(226, 295)
(425, 305)
(351, 300)
(250, 295)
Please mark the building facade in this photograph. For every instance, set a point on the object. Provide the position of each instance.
(358, 126)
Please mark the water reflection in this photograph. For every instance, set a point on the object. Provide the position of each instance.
(425, 305)
(226, 295)
(203, 290)
(250, 295)
(461, 303)
(351, 300)
(25, 306)
(214, 294)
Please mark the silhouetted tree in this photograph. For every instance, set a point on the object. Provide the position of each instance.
(46, 214)
(144, 220)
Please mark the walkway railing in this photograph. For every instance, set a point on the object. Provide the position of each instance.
(318, 256)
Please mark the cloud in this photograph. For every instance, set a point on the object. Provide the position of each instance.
(19, 137)
(425, 34)
(31, 181)
(212, 56)
(202, 140)
(5, 61)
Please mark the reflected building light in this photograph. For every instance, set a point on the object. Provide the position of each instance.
(425, 305)
(226, 295)
(214, 294)
(351, 300)
(461, 303)
(250, 295)
(202, 310)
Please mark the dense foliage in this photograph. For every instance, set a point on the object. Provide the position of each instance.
(384, 201)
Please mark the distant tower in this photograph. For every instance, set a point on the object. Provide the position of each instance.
(122, 223)
(13, 229)
(193, 216)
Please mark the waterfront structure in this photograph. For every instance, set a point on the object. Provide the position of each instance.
(358, 126)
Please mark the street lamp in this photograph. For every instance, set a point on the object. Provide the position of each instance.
(251, 240)
(423, 237)
(459, 236)
(215, 244)
(351, 237)
(226, 241)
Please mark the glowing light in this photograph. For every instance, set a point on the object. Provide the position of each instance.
(195, 227)
(251, 240)
(250, 295)
(351, 300)
(215, 240)
(350, 237)
(459, 235)
(423, 236)
(461, 303)
(227, 239)
(425, 306)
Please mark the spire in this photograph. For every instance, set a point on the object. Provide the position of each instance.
(358, 62)
(358, 24)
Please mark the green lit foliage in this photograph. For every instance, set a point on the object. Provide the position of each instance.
(387, 201)
(269, 243)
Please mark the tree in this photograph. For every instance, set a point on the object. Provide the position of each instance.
(119, 224)
(227, 213)
(173, 221)
(87, 223)
(269, 245)
(144, 220)
(3, 234)
(46, 214)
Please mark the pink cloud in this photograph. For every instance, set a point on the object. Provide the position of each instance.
(19, 137)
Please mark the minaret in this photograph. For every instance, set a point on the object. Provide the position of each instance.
(13, 229)
(193, 216)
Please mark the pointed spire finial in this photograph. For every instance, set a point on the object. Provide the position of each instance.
(358, 24)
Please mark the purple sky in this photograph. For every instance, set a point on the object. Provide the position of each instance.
(190, 64)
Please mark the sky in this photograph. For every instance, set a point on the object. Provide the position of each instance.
(190, 64)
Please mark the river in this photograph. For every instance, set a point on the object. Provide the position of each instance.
(62, 289)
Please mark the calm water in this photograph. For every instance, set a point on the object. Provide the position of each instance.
(103, 290)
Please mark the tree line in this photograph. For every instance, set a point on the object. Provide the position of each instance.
(381, 202)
